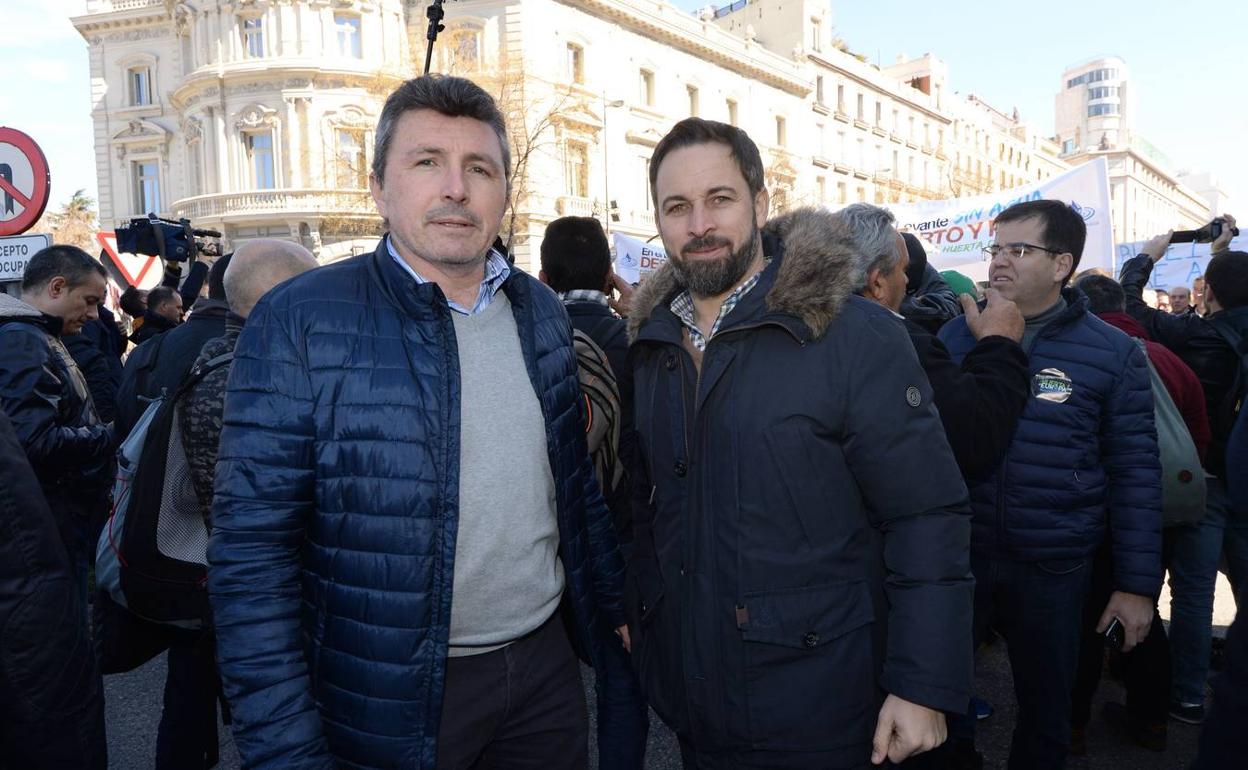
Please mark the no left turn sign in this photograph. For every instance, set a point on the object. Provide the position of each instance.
(24, 182)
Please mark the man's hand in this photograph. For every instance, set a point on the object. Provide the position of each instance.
(1157, 245)
(1001, 317)
(906, 729)
(1135, 612)
(622, 632)
(1223, 241)
(625, 290)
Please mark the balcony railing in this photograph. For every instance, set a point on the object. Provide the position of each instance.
(575, 206)
(108, 6)
(276, 202)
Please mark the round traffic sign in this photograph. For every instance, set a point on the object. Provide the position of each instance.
(25, 182)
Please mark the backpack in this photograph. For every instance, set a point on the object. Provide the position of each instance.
(1182, 477)
(600, 402)
(152, 554)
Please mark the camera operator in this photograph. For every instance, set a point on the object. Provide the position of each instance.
(1203, 345)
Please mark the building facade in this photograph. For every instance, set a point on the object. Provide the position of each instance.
(255, 117)
(1145, 197)
(252, 117)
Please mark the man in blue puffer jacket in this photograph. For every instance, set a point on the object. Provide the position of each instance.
(405, 518)
(1083, 459)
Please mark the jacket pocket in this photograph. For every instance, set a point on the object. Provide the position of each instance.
(809, 667)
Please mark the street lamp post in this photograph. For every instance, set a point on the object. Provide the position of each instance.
(606, 170)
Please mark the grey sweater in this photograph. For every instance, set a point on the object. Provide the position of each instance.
(508, 577)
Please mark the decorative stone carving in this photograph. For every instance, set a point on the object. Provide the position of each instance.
(256, 116)
(350, 117)
(192, 130)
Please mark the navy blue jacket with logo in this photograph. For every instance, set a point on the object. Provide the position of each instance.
(1084, 455)
(336, 510)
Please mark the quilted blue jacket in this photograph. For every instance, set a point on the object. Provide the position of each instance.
(335, 513)
(1076, 465)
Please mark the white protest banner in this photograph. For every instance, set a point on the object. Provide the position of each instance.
(635, 259)
(959, 229)
(1183, 263)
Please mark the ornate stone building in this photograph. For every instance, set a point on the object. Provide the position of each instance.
(252, 117)
(255, 116)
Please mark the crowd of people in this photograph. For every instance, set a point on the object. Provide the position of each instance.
(780, 492)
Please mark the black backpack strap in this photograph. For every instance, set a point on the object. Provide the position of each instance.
(201, 371)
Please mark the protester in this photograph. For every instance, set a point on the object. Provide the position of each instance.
(46, 396)
(1083, 459)
(164, 312)
(403, 499)
(774, 546)
(1181, 300)
(576, 263)
(1146, 669)
(160, 365)
(187, 735)
(980, 401)
(1200, 343)
(929, 301)
(51, 700)
(1224, 741)
(1163, 301)
(1198, 295)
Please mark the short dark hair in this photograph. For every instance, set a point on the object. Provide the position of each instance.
(575, 254)
(691, 131)
(133, 302)
(216, 277)
(445, 94)
(1227, 276)
(69, 262)
(1105, 295)
(159, 296)
(1064, 229)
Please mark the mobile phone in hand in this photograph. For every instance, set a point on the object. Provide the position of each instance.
(1115, 635)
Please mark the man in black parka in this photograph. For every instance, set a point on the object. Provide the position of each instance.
(801, 589)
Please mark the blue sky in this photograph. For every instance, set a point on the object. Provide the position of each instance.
(1187, 66)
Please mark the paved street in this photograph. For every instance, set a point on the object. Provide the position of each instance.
(134, 711)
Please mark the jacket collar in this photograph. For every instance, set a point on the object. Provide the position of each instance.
(811, 275)
(425, 300)
(14, 309)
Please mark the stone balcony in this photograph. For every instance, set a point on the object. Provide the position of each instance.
(260, 205)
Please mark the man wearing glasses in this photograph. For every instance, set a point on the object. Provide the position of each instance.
(1082, 466)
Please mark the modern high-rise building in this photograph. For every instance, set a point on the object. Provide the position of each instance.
(1093, 110)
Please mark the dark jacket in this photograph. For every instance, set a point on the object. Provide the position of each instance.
(48, 678)
(1195, 340)
(46, 398)
(931, 303)
(101, 369)
(1181, 382)
(980, 400)
(335, 512)
(610, 333)
(163, 362)
(201, 415)
(154, 325)
(1076, 462)
(784, 577)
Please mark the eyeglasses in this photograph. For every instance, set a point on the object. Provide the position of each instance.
(1016, 250)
